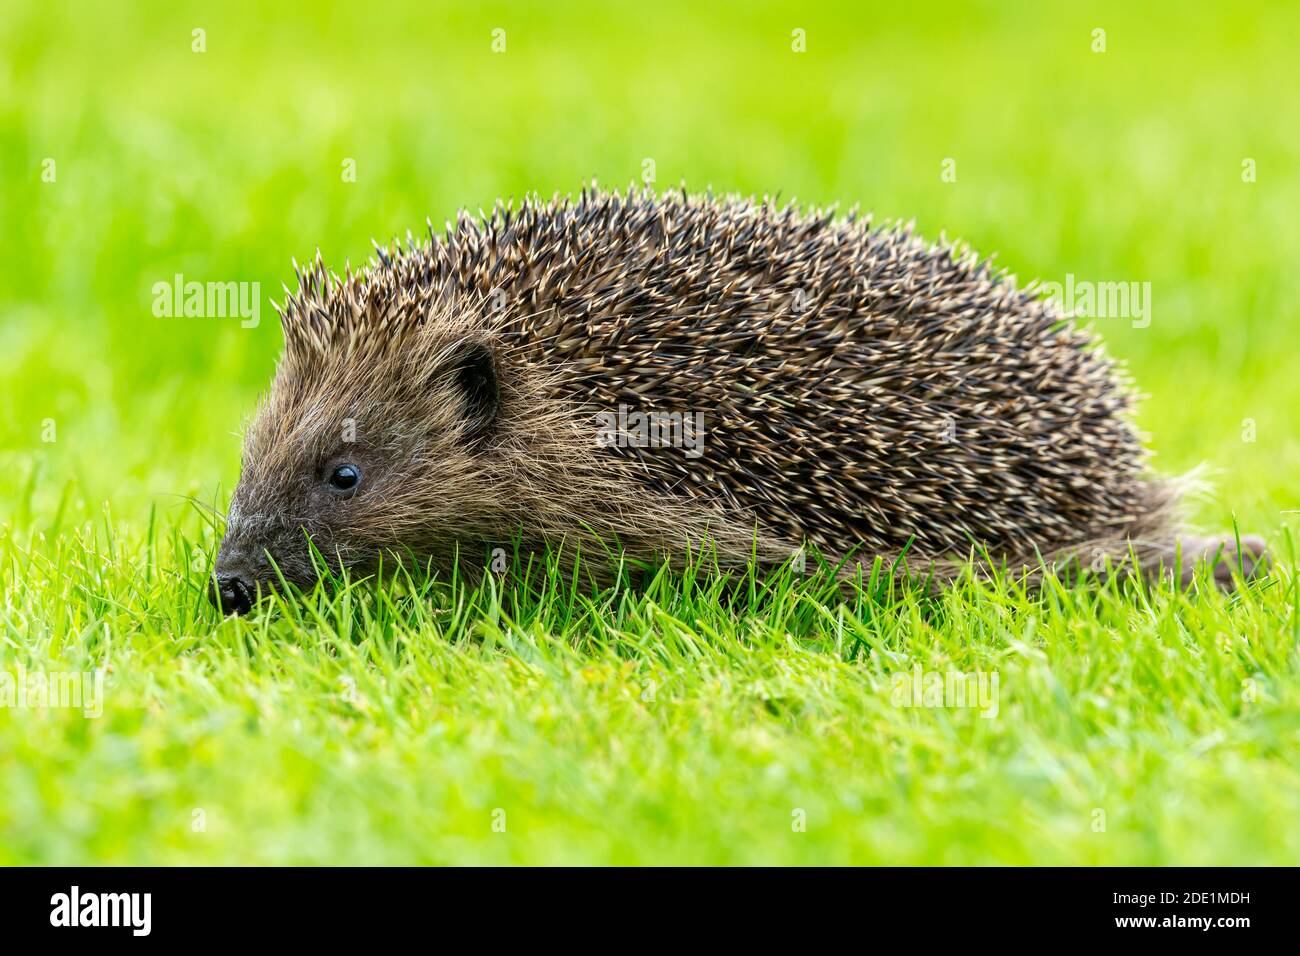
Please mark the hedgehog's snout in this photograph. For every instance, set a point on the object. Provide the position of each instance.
(233, 587)
(232, 593)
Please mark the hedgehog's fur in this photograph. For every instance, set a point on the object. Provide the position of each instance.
(862, 390)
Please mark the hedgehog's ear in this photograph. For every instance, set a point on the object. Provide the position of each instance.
(475, 374)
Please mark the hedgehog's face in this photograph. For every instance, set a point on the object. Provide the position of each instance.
(353, 462)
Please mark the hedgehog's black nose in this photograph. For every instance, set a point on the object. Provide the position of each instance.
(231, 593)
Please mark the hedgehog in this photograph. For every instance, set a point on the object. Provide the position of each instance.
(638, 374)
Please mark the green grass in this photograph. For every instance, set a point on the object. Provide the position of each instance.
(689, 722)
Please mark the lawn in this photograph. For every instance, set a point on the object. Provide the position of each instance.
(689, 721)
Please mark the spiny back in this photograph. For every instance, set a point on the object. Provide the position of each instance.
(859, 386)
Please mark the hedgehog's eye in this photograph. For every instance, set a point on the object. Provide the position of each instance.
(345, 477)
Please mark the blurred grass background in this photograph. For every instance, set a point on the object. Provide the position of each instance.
(222, 165)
